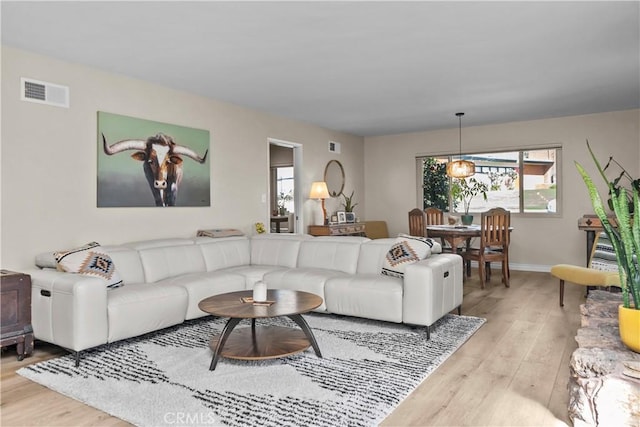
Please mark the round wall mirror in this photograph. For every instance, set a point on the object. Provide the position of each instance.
(334, 177)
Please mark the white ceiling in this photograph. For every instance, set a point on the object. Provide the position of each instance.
(363, 67)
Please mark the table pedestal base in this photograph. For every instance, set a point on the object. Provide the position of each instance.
(262, 342)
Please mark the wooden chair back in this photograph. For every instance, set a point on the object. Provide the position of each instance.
(417, 223)
(434, 216)
(494, 228)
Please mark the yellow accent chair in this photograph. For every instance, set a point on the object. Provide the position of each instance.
(376, 229)
(602, 270)
(584, 276)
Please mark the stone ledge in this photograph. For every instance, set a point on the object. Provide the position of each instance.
(599, 393)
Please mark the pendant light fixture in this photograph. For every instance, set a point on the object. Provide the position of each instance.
(460, 168)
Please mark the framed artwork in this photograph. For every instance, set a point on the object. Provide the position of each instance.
(342, 217)
(146, 163)
(334, 219)
(350, 217)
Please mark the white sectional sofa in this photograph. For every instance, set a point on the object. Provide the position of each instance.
(166, 279)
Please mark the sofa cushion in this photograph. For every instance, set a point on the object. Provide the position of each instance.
(89, 260)
(338, 253)
(202, 285)
(405, 251)
(46, 260)
(302, 279)
(372, 255)
(371, 296)
(137, 309)
(276, 249)
(253, 273)
(158, 243)
(128, 262)
(224, 252)
(162, 262)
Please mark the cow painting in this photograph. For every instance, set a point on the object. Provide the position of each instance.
(162, 162)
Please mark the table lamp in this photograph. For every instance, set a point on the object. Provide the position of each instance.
(320, 191)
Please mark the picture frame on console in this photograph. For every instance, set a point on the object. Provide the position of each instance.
(334, 219)
(342, 217)
(350, 217)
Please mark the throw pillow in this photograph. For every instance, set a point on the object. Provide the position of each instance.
(405, 251)
(90, 261)
(603, 256)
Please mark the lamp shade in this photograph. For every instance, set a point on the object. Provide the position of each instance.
(319, 190)
(461, 169)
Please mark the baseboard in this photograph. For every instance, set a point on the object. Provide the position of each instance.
(530, 267)
(523, 267)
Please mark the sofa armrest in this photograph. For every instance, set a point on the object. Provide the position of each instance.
(432, 288)
(69, 310)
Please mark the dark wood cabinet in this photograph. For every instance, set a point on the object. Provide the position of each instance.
(15, 322)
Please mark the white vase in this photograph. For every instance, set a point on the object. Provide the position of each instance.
(260, 291)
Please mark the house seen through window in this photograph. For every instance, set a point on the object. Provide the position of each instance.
(523, 181)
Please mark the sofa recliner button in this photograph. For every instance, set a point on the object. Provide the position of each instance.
(45, 293)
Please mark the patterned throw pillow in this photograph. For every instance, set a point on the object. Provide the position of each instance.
(603, 256)
(407, 250)
(90, 261)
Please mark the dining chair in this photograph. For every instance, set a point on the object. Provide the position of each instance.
(417, 223)
(434, 216)
(494, 244)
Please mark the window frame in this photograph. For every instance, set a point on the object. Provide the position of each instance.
(559, 182)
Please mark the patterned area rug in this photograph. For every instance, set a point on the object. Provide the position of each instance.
(162, 378)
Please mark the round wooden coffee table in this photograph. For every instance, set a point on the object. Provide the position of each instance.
(261, 342)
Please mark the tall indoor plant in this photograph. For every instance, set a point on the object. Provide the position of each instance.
(625, 239)
(465, 190)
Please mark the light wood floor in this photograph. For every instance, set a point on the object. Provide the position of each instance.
(512, 372)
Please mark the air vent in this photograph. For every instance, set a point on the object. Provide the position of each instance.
(334, 147)
(44, 92)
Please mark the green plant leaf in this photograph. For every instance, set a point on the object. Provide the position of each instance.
(615, 238)
(626, 237)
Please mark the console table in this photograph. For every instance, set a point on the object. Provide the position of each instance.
(599, 393)
(591, 224)
(347, 229)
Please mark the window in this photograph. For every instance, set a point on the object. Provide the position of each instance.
(522, 181)
(284, 189)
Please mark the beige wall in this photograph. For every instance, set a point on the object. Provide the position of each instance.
(48, 160)
(390, 174)
(48, 165)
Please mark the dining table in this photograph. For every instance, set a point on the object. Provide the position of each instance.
(277, 220)
(455, 235)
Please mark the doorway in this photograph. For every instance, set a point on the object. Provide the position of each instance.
(285, 201)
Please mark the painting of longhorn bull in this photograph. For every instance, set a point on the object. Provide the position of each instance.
(146, 163)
